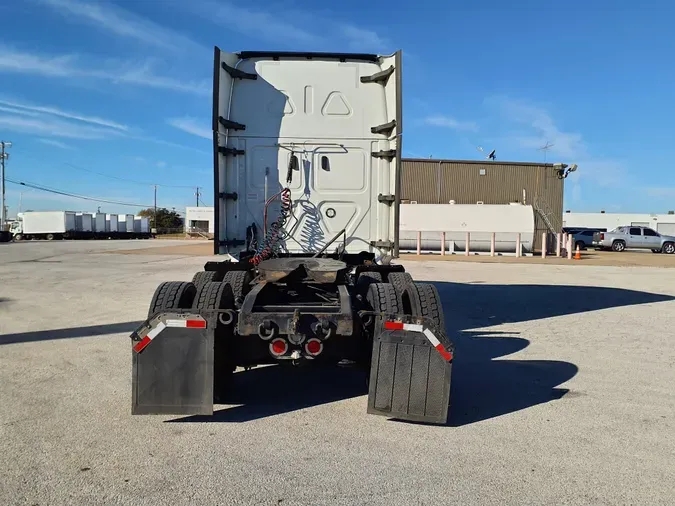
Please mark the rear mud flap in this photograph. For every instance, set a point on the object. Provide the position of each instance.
(410, 370)
(173, 365)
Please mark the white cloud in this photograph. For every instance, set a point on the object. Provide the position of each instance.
(362, 40)
(660, 192)
(161, 164)
(191, 126)
(54, 128)
(72, 66)
(36, 110)
(57, 144)
(18, 111)
(287, 27)
(254, 23)
(123, 23)
(542, 128)
(440, 120)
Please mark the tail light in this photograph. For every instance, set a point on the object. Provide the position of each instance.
(602, 236)
(313, 347)
(278, 347)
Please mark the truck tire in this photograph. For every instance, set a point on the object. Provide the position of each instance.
(580, 244)
(217, 295)
(382, 297)
(618, 246)
(203, 277)
(399, 280)
(214, 295)
(366, 279)
(50, 237)
(422, 299)
(239, 282)
(172, 295)
(669, 248)
(18, 237)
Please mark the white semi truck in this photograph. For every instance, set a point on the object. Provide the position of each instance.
(51, 225)
(307, 172)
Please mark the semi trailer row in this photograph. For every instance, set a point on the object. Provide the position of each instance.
(307, 152)
(52, 225)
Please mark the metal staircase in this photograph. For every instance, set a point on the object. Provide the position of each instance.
(546, 215)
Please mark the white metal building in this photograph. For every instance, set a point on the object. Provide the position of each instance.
(199, 218)
(662, 223)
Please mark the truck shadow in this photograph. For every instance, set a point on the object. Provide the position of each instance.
(68, 333)
(482, 387)
(273, 390)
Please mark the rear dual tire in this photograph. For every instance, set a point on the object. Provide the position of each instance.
(172, 295)
(211, 296)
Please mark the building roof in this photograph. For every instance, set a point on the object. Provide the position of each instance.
(480, 162)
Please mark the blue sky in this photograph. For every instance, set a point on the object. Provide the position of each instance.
(123, 89)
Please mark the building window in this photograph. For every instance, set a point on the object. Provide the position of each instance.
(482, 171)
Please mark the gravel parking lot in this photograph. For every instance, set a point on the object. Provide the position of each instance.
(562, 394)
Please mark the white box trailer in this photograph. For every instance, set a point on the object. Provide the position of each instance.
(99, 222)
(307, 150)
(84, 222)
(141, 225)
(111, 223)
(122, 223)
(45, 225)
(129, 223)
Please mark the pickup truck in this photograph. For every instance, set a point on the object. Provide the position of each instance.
(634, 237)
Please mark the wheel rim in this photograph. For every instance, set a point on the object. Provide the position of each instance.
(670, 248)
(619, 246)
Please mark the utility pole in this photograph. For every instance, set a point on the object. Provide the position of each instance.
(3, 157)
(197, 194)
(155, 207)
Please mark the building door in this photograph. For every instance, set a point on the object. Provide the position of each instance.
(666, 228)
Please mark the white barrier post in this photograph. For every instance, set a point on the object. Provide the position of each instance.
(419, 243)
(518, 248)
(492, 245)
(569, 247)
(557, 245)
(543, 245)
(442, 244)
(468, 239)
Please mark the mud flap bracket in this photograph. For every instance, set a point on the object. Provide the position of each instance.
(172, 361)
(410, 370)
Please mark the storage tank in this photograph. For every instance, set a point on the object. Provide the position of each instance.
(111, 223)
(506, 221)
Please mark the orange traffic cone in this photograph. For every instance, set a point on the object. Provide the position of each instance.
(577, 254)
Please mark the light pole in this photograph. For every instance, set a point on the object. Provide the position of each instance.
(21, 198)
(3, 157)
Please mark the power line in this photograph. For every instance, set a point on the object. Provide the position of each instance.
(74, 195)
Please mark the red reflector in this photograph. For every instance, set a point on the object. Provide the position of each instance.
(138, 347)
(445, 354)
(313, 346)
(196, 324)
(393, 325)
(278, 347)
